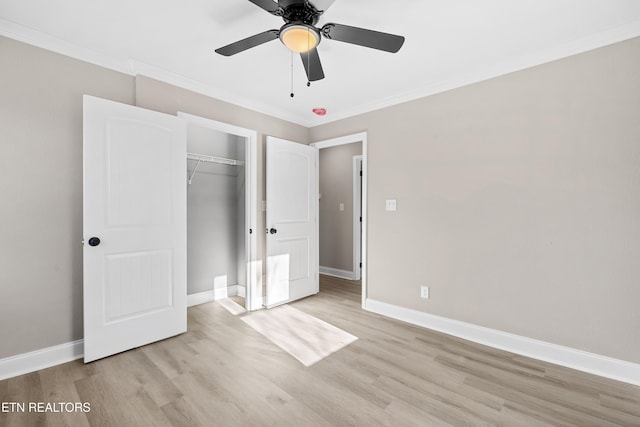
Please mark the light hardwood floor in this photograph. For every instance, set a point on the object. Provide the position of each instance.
(222, 372)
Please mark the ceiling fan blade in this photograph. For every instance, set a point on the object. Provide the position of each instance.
(362, 37)
(312, 65)
(270, 6)
(248, 43)
(322, 5)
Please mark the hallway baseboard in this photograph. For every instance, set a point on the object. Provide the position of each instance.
(335, 272)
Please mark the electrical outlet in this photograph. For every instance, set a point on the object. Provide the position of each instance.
(424, 292)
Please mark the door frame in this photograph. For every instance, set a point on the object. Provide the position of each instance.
(253, 297)
(357, 214)
(350, 139)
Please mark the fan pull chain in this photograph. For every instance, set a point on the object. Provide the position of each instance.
(308, 60)
(292, 95)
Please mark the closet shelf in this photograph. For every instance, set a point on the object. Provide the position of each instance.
(210, 159)
(214, 159)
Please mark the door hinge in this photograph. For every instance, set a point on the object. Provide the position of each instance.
(360, 173)
(360, 265)
(360, 219)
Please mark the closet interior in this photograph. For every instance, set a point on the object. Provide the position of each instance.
(216, 230)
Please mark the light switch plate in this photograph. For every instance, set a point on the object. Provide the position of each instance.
(341, 206)
(391, 205)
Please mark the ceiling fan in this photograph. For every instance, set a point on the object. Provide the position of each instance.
(300, 35)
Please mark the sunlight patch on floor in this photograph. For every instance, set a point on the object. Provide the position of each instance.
(231, 306)
(306, 338)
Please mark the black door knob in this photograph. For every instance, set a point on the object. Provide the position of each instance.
(273, 231)
(94, 241)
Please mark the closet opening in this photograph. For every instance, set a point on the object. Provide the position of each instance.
(220, 213)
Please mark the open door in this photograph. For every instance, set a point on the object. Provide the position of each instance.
(292, 221)
(134, 227)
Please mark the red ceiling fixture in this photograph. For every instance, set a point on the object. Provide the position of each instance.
(319, 111)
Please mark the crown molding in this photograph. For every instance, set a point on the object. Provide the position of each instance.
(36, 38)
(610, 36)
(131, 67)
(203, 89)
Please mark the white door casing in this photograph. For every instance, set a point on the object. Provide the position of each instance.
(292, 221)
(350, 139)
(135, 203)
(357, 216)
(253, 296)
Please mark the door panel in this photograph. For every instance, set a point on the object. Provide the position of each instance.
(135, 198)
(137, 283)
(292, 228)
(135, 203)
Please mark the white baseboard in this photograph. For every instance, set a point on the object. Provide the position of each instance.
(335, 272)
(63, 353)
(592, 363)
(212, 295)
(40, 359)
(242, 291)
(604, 366)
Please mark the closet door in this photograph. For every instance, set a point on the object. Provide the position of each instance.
(134, 227)
(292, 221)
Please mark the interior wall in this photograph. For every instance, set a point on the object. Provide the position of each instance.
(336, 187)
(518, 197)
(41, 191)
(213, 216)
(41, 181)
(518, 201)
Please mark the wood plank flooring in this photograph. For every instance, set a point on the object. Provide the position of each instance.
(223, 373)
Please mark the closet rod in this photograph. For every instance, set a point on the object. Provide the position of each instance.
(213, 159)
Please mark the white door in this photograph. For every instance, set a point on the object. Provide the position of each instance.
(292, 221)
(135, 204)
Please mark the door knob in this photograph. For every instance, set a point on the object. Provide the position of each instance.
(94, 241)
(273, 230)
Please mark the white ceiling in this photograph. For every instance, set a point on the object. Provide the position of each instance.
(449, 43)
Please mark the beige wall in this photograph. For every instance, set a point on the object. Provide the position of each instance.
(336, 186)
(41, 182)
(518, 197)
(518, 202)
(41, 192)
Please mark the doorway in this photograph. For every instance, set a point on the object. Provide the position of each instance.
(221, 219)
(356, 263)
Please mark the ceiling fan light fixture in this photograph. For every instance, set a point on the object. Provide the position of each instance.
(299, 38)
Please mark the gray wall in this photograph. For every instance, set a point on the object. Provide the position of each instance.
(41, 192)
(336, 186)
(518, 201)
(213, 217)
